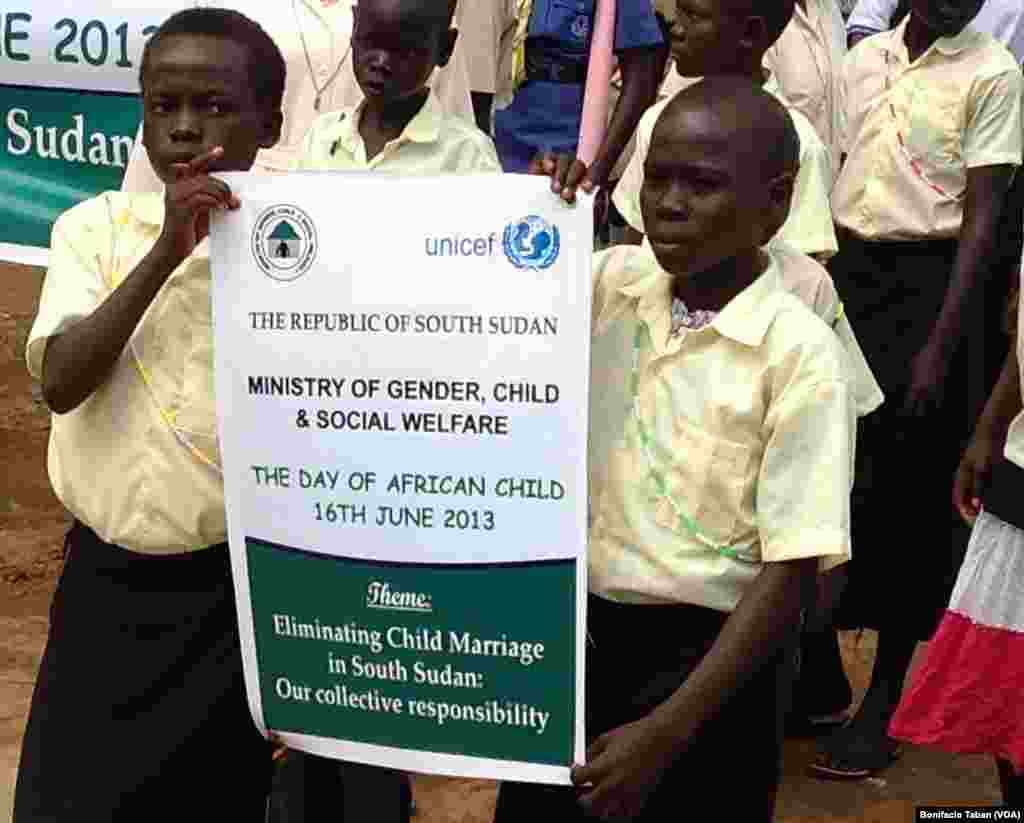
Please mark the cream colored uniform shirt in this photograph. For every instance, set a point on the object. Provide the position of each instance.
(138, 460)
(912, 130)
(480, 27)
(432, 143)
(809, 226)
(327, 29)
(742, 432)
(807, 61)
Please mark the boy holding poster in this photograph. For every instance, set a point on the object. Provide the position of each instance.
(722, 439)
(140, 707)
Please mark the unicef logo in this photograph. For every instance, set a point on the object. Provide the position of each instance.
(284, 242)
(531, 243)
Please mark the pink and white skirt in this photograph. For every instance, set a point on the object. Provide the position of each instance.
(967, 695)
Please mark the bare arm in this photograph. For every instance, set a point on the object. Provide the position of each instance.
(78, 360)
(642, 70)
(989, 440)
(986, 192)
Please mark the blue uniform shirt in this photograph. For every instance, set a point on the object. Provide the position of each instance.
(545, 116)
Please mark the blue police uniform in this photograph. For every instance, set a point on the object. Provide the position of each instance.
(545, 113)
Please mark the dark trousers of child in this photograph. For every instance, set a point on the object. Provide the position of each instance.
(637, 658)
(139, 710)
(311, 789)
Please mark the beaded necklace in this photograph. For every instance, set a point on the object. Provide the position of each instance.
(647, 441)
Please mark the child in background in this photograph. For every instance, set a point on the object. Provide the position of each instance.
(399, 128)
(932, 139)
(709, 37)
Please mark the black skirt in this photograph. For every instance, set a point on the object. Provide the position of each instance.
(139, 710)
(908, 542)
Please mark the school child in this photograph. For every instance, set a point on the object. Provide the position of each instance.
(965, 695)
(140, 707)
(733, 37)
(722, 434)
(542, 74)
(400, 126)
(1003, 19)
(933, 136)
(806, 61)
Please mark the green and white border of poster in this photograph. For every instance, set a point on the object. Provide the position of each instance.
(69, 109)
(401, 382)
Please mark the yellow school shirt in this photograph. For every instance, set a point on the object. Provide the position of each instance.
(138, 460)
(807, 60)
(432, 143)
(736, 450)
(480, 25)
(809, 226)
(912, 130)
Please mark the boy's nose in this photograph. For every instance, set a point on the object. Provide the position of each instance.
(186, 127)
(675, 202)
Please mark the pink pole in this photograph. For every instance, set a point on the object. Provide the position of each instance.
(599, 75)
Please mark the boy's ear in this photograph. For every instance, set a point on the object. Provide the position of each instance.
(780, 197)
(448, 39)
(753, 37)
(272, 129)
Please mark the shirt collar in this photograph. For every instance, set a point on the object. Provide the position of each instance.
(746, 318)
(425, 126)
(948, 46)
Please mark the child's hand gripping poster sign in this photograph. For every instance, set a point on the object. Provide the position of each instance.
(402, 370)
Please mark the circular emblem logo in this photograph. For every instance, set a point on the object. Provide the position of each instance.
(580, 27)
(284, 242)
(531, 243)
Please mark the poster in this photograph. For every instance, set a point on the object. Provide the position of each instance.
(401, 379)
(69, 109)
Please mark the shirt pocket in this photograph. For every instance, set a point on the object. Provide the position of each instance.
(708, 480)
(933, 133)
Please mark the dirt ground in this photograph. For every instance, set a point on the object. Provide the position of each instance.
(31, 529)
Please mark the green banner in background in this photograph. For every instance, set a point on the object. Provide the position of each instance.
(59, 147)
(465, 660)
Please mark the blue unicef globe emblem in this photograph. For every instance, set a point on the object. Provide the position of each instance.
(284, 242)
(531, 243)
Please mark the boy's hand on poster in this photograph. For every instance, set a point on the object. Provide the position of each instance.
(973, 473)
(189, 201)
(928, 373)
(568, 175)
(624, 766)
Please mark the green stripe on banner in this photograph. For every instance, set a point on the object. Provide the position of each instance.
(59, 147)
(467, 660)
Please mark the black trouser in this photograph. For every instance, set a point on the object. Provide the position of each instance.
(140, 711)
(639, 656)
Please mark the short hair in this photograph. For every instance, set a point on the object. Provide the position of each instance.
(776, 14)
(266, 63)
(441, 12)
(756, 122)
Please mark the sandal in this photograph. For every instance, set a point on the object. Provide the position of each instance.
(854, 757)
